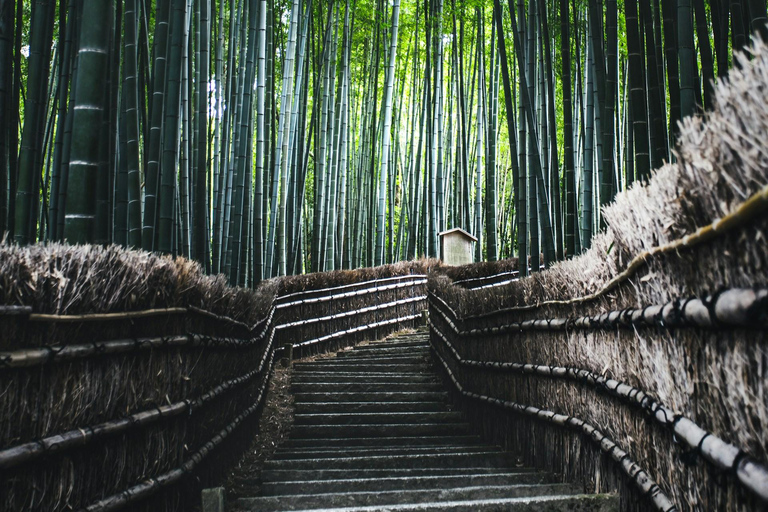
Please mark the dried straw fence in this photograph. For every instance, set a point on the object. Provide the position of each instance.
(642, 366)
(136, 407)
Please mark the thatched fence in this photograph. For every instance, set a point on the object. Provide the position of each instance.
(642, 366)
(128, 381)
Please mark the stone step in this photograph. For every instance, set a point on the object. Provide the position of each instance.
(380, 430)
(389, 359)
(364, 387)
(284, 475)
(521, 477)
(397, 343)
(333, 365)
(374, 350)
(367, 407)
(312, 376)
(378, 397)
(374, 430)
(575, 503)
(391, 442)
(311, 453)
(320, 373)
(396, 497)
(394, 462)
(367, 418)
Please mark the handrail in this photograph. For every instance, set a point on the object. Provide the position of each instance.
(755, 205)
(352, 285)
(351, 313)
(152, 485)
(738, 307)
(638, 475)
(724, 456)
(344, 295)
(374, 312)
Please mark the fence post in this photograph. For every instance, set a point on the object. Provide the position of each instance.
(213, 500)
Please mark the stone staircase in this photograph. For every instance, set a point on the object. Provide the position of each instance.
(374, 431)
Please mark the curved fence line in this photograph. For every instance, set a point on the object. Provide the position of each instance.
(368, 303)
(345, 295)
(153, 485)
(361, 328)
(351, 285)
(738, 307)
(27, 452)
(724, 456)
(755, 205)
(347, 314)
(637, 474)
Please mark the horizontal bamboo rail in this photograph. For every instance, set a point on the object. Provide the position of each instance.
(354, 312)
(251, 336)
(749, 210)
(356, 293)
(636, 474)
(724, 456)
(354, 330)
(739, 307)
(60, 353)
(419, 277)
(153, 485)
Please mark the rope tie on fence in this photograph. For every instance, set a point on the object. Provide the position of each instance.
(710, 303)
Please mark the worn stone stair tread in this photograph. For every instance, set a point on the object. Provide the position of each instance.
(361, 407)
(365, 386)
(383, 430)
(438, 460)
(277, 475)
(306, 376)
(382, 351)
(379, 396)
(395, 497)
(524, 476)
(414, 342)
(574, 503)
(368, 366)
(420, 357)
(382, 441)
(309, 453)
(367, 418)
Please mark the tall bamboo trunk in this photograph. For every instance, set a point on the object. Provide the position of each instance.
(386, 136)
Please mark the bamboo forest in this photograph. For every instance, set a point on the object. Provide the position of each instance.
(273, 137)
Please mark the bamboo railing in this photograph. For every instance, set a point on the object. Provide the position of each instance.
(309, 321)
(744, 309)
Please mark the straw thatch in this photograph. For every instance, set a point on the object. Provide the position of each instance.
(712, 377)
(124, 370)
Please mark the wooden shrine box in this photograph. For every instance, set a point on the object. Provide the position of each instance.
(456, 247)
